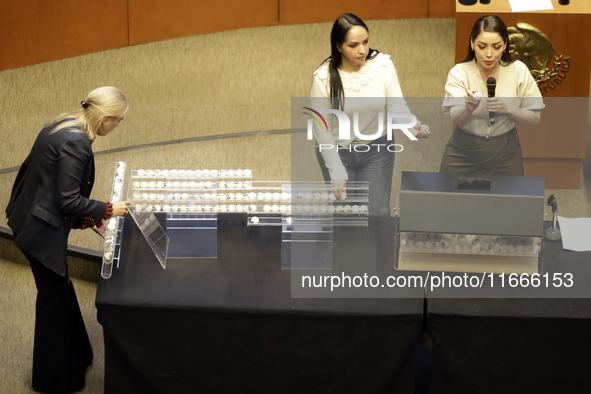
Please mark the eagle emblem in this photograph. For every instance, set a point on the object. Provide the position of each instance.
(529, 45)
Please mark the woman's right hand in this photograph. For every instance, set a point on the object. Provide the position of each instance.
(120, 208)
(338, 188)
(471, 102)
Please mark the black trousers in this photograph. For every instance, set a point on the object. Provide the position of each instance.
(62, 349)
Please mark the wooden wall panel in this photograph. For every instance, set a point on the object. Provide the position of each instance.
(33, 31)
(313, 11)
(557, 173)
(442, 8)
(155, 20)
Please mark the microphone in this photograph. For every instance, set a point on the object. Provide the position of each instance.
(491, 84)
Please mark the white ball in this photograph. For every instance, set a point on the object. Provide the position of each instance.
(299, 209)
(308, 196)
(231, 173)
(253, 208)
(208, 185)
(267, 208)
(231, 208)
(197, 197)
(231, 196)
(363, 208)
(247, 172)
(307, 209)
(138, 208)
(252, 195)
(166, 208)
(156, 208)
(276, 196)
(108, 257)
(206, 196)
(160, 185)
(212, 172)
(275, 208)
(198, 208)
(153, 196)
(331, 209)
(200, 185)
(239, 184)
(175, 208)
(152, 185)
(315, 208)
(323, 209)
(268, 196)
(289, 221)
(239, 173)
(283, 208)
(355, 208)
(239, 196)
(111, 226)
(347, 208)
(165, 173)
(284, 196)
(185, 196)
(239, 208)
(223, 208)
(261, 196)
(173, 173)
(339, 208)
(254, 220)
(141, 172)
(222, 196)
(183, 208)
(145, 185)
(176, 185)
(230, 184)
(332, 197)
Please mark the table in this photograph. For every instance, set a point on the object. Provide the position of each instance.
(231, 325)
(515, 345)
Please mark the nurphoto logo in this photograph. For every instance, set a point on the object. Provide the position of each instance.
(344, 125)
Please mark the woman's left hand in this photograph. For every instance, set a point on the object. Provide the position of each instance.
(496, 105)
(420, 134)
(99, 230)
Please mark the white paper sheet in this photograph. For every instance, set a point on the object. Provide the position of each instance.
(576, 233)
(531, 5)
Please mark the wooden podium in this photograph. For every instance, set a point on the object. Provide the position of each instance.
(555, 147)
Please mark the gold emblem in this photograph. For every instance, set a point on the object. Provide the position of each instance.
(531, 46)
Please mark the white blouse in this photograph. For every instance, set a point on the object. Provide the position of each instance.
(372, 90)
(515, 86)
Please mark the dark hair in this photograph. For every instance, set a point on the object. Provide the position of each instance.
(340, 28)
(493, 24)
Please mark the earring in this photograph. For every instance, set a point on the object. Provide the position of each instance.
(103, 126)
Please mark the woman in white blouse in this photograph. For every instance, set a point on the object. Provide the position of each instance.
(358, 79)
(479, 145)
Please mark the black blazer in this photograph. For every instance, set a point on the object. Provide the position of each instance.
(51, 193)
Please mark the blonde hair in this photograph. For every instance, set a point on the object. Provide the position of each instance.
(101, 103)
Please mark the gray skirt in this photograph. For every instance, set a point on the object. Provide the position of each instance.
(469, 153)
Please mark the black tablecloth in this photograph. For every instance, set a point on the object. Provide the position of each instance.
(516, 345)
(230, 324)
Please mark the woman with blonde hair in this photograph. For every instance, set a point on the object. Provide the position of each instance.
(50, 196)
